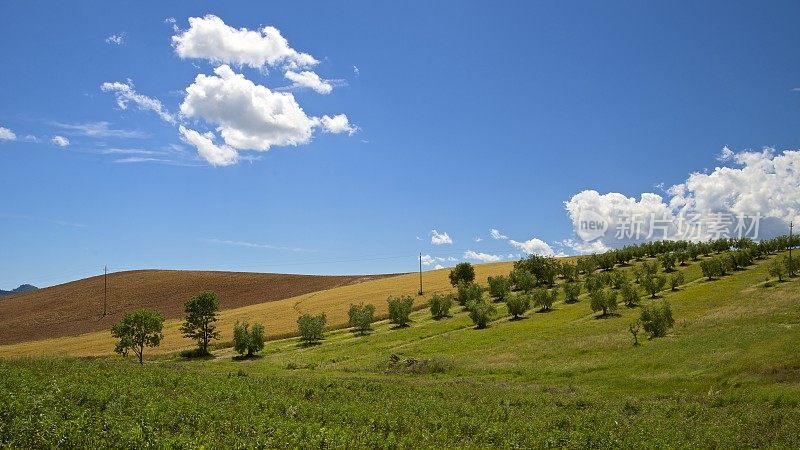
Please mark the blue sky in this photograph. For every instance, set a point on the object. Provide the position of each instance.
(465, 117)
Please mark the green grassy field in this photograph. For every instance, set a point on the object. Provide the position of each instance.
(727, 375)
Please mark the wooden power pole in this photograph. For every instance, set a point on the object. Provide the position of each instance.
(791, 267)
(420, 273)
(105, 290)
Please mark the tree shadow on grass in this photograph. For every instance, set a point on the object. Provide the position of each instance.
(308, 344)
(442, 317)
(608, 316)
(545, 311)
(517, 318)
(361, 332)
(196, 354)
(400, 327)
(238, 358)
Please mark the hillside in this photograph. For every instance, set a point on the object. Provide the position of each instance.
(241, 301)
(726, 376)
(77, 307)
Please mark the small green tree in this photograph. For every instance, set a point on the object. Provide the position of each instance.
(462, 272)
(630, 295)
(571, 292)
(311, 328)
(523, 280)
(137, 330)
(248, 341)
(518, 305)
(777, 269)
(604, 300)
(654, 285)
(657, 320)
(668, 261)
(468, 292)
(400, 310)
(361, 317)
(634, 329)
(499, 287)
(481, 313)
(440, 305)
(676, 280)
(544, 299)
(201, 317)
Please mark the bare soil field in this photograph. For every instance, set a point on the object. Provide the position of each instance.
(77, 307)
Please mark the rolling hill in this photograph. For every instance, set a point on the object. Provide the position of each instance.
(77, 307)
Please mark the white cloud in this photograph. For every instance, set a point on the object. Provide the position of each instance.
(764, 183)
(338, 124)
(438, 266)
(726, 154)
(440, 238)
(534, 246)
(216, 155)
(497, 235)
(7, 135)
(482, 257)
(308, 79)
(31, 138)
(477, 239)
(173, 23)
(248, 116)
(100, 129)
(125, 94)
(356, 71)
(585, 248)
(428, 260)
(129, 151)
(60, 141)
(211, 39)
(116, 39)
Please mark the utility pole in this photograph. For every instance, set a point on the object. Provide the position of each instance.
(105, 290)
(420, 273)
(791, 268)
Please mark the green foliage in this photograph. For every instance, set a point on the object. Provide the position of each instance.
(311, 328)
(523, 280)
(675, 280)
(137, 330)
(654, 285)
(634, 328)
(248, 341)
(481, 313)
(361, 317)
(630, 294)
(201, 316)
(499, 287)
(777, 269)
(649, 269)
(544, 268)
(656, 320)
(604, 300)
(462, 273)
(544, 298)
(571, 292)
(468, 292)
(617, 279)
(667, 261)
(440, 305)
(400, 310)
(518, 305)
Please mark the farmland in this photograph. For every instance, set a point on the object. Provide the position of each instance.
(727, 375)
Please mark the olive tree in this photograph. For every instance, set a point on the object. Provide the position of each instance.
(201, 317)
(630, 294)
(137, 330)
(654, 285)
(481, 313)
(361, 317)
(656, 320)
(248, 341)
(440, 305)
(499, 287)
(311, 328)
(571, 292)
(544, 299)
(777, 269)
(462, 272)
(522, 280)
(400, 310)
(468, 292)
(518, 305)
(676, 280)
(604, 300)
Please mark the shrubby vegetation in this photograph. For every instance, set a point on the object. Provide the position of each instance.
(468, 293)
(248, 341)
(656, 320)
(604, 300)
(572, 290)
(499, 287)
(440, 305)
(400, 310)
(361, 317)
(544, 299)
(311, 328)
(481, 313)
(518, 305)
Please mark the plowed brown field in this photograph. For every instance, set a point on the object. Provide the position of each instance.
(77, 307)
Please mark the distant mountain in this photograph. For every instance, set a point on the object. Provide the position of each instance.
(19, 290)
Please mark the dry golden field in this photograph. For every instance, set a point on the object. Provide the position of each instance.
(279, 316)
